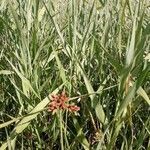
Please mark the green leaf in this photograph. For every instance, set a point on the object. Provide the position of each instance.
(124, 103)
(26, 85)
(80, 135)
(5, 124)
(6, 72)
(142, 93)
(131, 49)
(100, 113)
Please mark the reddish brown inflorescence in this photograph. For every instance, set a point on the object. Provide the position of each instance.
(59, 102)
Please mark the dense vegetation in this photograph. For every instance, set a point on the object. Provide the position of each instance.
(97, 52)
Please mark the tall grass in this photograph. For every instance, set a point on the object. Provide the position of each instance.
(97, 51)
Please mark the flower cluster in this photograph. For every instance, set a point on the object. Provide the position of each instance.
(60, 102)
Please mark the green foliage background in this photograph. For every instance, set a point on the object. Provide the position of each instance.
(98, 51)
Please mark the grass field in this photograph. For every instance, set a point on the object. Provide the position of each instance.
(75, 74)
